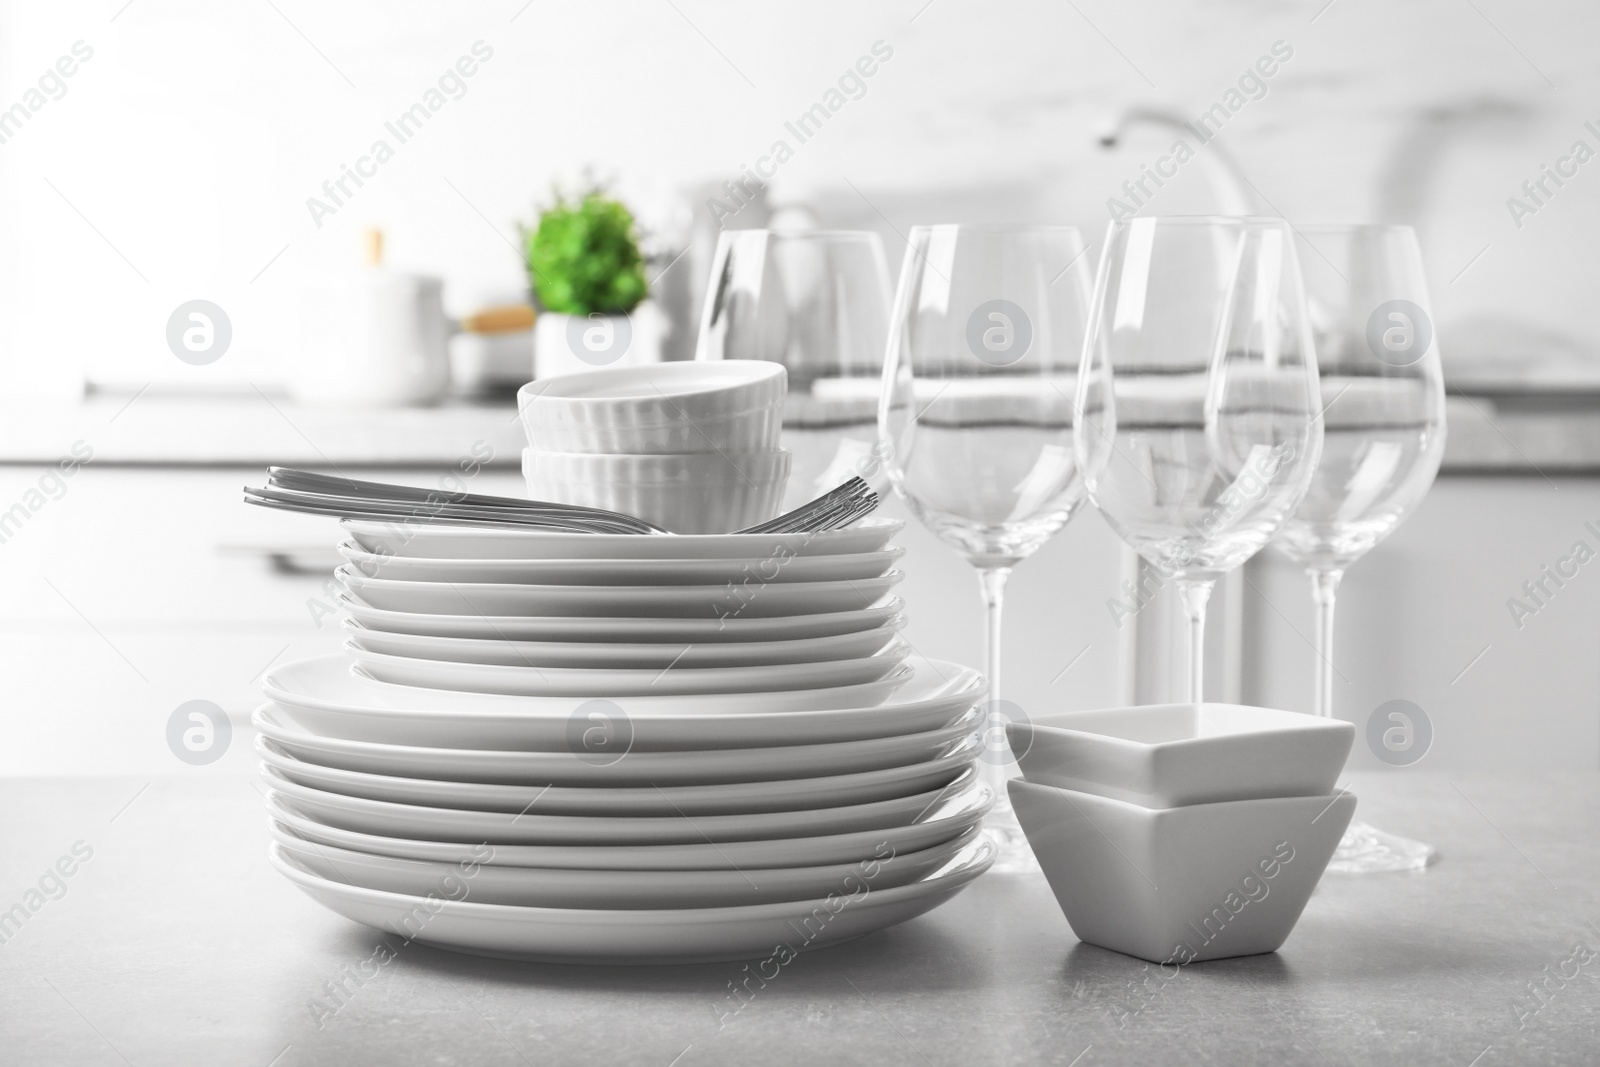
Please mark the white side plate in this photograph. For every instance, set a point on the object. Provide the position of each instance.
(626, 767)
(660, 655)
(954, 817)
(784, 567)
(481, 542)
(543, 887)
(531, 828)
(726, 798)
(619, 683)
(754, 599)
(324, 696)
(539, 628)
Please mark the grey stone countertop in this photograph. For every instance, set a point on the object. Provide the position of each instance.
(1529, 435)
(175, 943)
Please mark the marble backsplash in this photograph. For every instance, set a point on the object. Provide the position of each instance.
(180, 158)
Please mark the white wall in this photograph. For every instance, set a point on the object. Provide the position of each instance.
(192, 138)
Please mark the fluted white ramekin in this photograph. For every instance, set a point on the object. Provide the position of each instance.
(731, 405)
(690, 493)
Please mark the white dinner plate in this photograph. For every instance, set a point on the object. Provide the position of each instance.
(621, 683)
(657, 654)
(323, 696)
(725, 798)
(429, 541)
(578, 766)
(627, 936)
(539, 628)
(854, 566)
(531, 828)
(752, 600)
(545, 887)
(954, 817)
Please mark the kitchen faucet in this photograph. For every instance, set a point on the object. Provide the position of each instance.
(1233, 189)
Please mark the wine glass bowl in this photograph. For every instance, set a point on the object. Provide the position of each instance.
(1383, 433)
(816, 301)
(976, 412)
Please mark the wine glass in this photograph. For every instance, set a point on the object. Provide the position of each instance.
(1383, 437)
(1198, 425)
(976, 420)
(816, 301)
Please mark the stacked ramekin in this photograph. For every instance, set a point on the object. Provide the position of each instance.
(691, 447)
(1182, 832)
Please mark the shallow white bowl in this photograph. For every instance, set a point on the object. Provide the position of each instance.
(487, 542)
(733, 405)
(1168, 755)
(1179, 885)
(692, 493)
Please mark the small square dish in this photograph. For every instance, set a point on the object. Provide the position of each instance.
(1181, 885)
(1169, 755)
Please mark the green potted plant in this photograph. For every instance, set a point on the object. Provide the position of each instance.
(588, 278)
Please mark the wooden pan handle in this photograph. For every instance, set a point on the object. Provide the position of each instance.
(506, 318)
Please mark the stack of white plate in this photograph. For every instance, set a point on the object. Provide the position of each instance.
(624, 748)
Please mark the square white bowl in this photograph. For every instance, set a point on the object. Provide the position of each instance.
(1168, 755)
(1181, 885)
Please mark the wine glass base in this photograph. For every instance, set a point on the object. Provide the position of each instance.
(1367, 850)
(1013, 853)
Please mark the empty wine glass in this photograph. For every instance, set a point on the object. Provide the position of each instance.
(1198, 425)
(1383, 437)
(976, 417)
(816, 301)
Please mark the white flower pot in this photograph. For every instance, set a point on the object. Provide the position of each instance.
(567, 344)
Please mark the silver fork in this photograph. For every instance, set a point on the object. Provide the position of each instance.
(321, 494)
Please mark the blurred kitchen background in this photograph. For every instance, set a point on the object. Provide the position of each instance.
(175, 163)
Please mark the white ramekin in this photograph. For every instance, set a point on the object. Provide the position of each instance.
(689, 493)
(731, 405)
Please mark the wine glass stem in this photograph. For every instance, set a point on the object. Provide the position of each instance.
(1324, 590)
(993, 581)
(1194, 592)
(995, 766)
